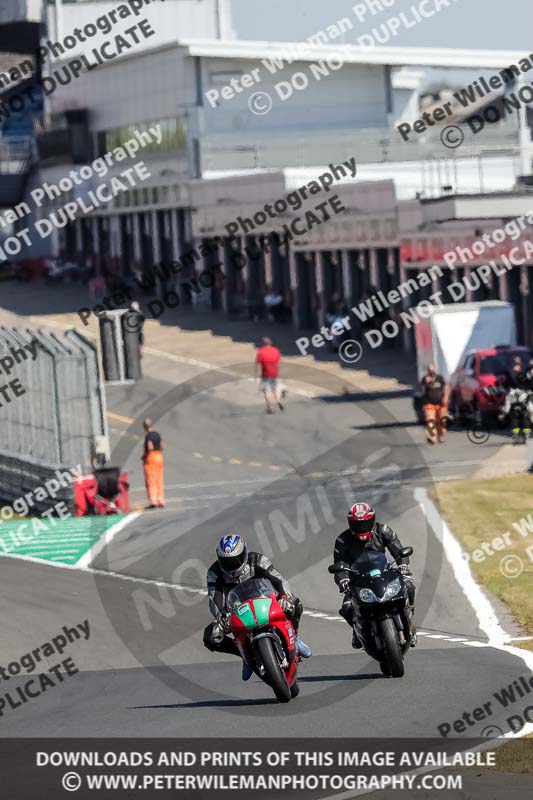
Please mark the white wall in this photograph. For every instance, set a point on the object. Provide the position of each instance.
(473, 175)
(217, 202)
(405, 105)
(162, 83)
(21, 10)
(171, 20)
(151, 86)
(238, 190)
(351, 97)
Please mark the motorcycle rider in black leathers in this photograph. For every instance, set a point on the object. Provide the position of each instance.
(365, 533)
(234, 565)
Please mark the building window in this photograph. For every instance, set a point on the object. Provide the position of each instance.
(173, 136)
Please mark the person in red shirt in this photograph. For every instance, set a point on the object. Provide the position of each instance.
(268, 358)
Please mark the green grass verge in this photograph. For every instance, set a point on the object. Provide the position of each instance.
(481, 514)
(515, 756)
(482, 511)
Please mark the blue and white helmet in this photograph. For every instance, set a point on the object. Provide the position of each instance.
(232, 555)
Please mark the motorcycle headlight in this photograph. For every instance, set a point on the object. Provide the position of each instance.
(392, 590)
(367, 596)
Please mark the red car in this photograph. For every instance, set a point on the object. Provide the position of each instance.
(479, 384)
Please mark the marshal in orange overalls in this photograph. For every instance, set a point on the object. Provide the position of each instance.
(153, 469)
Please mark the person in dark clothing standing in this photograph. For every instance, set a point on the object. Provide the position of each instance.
(434, 398)
(365, 533)
(153, 466)
(516, 377)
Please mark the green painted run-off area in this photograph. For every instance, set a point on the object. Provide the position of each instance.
(62, 541)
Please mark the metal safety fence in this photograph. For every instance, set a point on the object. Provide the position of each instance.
(52, 406)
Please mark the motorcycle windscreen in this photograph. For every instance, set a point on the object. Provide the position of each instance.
(374, 573)
(249, 590)
(370, 563)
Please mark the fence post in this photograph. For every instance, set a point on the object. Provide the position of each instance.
(120, 337)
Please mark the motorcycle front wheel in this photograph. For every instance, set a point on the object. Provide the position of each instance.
(274, 676)
(393, 651)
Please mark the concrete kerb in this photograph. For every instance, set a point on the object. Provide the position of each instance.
(508, 460)
(174, 624)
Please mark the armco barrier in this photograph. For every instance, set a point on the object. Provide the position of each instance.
(52, 408)
(18, 477)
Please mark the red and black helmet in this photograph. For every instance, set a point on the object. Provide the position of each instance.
(361, 519)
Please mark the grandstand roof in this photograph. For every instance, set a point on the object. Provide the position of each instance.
(393, 56)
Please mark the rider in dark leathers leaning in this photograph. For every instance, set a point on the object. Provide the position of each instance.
(234, 565)
(365, 533)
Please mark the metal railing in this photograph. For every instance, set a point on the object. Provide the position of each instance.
(60, 416)
(15, 155)
(250, 150)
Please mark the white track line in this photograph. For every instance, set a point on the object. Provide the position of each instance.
(193, 362)
(521, 639)
(487, 617)
(84, 561)
(193, 484)
(221, 368)
(83, 565)
(105, 539)
(326, 616)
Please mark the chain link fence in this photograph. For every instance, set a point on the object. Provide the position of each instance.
(52, 407)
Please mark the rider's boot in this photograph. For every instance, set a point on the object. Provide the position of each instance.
(304, 651)
(247, 671)
(356, 641)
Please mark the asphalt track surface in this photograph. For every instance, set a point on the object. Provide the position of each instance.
(283, 480)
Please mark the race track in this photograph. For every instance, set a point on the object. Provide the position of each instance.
(284, 482)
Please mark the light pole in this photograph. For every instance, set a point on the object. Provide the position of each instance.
(59, 19)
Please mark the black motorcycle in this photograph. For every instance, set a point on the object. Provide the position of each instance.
(382, 616)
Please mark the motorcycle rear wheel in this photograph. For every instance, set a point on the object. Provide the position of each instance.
(393, 652)
(295, 689)
(274, 676)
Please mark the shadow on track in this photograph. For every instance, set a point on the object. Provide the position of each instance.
(325, 678)
(211, 704)
(386, 426)
(360, 397)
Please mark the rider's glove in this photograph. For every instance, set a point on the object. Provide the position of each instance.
(287, 603)
(223, 622)
(218, 632)
(344, 585)
(405, 569)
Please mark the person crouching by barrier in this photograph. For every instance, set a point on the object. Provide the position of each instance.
(434, 397)
(153, 466)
